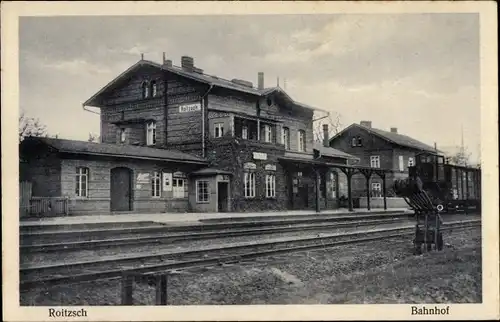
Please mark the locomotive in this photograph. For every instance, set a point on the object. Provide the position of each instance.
(435, 186)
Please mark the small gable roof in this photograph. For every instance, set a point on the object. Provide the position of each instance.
(396, 138)
(197, 76)
(115, 150)
(333, 153)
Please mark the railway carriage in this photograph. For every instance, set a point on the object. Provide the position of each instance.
(456, 188)
(435, 186)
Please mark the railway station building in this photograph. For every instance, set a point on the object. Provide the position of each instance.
(174, 139)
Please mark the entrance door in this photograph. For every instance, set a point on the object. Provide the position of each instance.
(222, 194)
(121, 182)
(304, 195)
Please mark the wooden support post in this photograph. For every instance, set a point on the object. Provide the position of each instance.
(384, 191)
(127, 289)
(349, 190)
(367, 179)
(161, 289)
(316, 171)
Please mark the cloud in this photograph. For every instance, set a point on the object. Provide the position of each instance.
(403, 70)
(77, 67)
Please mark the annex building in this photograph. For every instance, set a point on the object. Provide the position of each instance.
(174, 139)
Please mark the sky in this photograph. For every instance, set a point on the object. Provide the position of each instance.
(416, 72)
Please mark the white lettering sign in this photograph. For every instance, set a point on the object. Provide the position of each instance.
(260, 156)
(190, 108)
(222, 177)
(167, 181)
(179, 174)
(143, 178)
(270, 167)
(250, 166)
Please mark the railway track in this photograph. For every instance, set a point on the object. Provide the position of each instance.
(109, 268)
(166, 237)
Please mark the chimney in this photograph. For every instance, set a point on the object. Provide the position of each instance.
(187, 62)
(164, 57)
(326, 139)
(260, 81)
(394, 130)
(367, 124)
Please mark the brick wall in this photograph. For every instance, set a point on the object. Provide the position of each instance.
(99, 198)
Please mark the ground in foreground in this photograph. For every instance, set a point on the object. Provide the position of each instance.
(380, 272)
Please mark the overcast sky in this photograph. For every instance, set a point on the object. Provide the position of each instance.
(416, 72)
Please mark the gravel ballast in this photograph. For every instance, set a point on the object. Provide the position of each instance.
(376, 272)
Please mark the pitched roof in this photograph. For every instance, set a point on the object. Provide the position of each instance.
(210, 171)
(116, 150)
(331, 152)
(200, 77)
(396, 138)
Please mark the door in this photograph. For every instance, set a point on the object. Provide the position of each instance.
(222, 194)
(121, 182)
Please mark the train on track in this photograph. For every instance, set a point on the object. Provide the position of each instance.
(435, 186)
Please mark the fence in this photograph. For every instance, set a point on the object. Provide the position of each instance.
(33, 205)
(160, 282)
(49, 205)
(24, 198)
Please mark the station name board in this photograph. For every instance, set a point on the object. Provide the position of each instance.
(186, 108)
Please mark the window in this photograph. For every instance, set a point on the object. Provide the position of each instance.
(285, 137)
(82, 182)
(375, 161)
(376, 189)
(123, 135)
(249, 184)
(145, 90)
(244, 132)
(268, 134)
(356, 141)
(302, 141)
(401, 163)
(155, 184)
(179, 188)
(154, 89)
(202, 192)
(270, 186)
(219, 130)
(151, 133)
(411, 162)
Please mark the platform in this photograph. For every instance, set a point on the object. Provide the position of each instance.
(172, 218)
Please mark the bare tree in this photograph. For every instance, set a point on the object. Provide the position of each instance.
(93, 137)
(30, 126)
(334, 126)
(462, 157)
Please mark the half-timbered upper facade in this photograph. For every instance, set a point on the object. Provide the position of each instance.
(254, 145)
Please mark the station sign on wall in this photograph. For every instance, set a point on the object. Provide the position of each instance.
(259, 156)
(186, 108)
(143, 178)
(270, 167)
(167, 181)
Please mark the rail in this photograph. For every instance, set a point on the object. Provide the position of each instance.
(35, 276)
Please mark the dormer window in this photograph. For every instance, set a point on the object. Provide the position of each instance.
(151, 133)
(145, 90)
(154, 89)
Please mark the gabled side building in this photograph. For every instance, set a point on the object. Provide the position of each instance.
(174, 138)
(377, 148)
